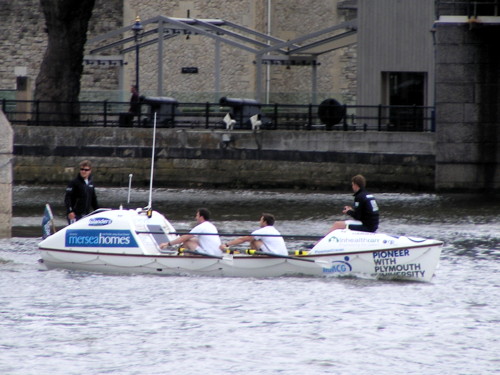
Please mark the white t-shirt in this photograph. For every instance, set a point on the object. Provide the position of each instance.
(272, 244)
(208, 244)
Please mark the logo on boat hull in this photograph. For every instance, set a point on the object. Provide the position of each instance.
(99, 238)
(339, 266)
(333, 239)
(99, 221)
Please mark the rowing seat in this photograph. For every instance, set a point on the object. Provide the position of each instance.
(157, 233)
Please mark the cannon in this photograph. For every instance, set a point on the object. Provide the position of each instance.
(331, 112)
(242, 112)
(165, 108)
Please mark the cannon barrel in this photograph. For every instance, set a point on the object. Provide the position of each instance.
(158, 100)
(242, 110)
(165, 108)
(238, 102)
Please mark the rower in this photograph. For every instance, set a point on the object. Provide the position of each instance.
(266, 239)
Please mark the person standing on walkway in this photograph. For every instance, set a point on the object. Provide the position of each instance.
(80, 198)
(135, 105)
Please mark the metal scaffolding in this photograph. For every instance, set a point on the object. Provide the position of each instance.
(302, 51)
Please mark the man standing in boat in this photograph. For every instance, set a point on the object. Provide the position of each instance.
(266, 239)
(365, 212)
(80, 198)
(196, 240)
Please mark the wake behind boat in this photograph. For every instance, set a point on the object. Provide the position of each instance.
(128, 242)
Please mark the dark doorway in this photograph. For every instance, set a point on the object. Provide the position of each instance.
(405, 94)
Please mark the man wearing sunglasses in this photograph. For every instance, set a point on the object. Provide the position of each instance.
(80, 198)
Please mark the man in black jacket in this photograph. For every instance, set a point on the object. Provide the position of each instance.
(80, 198)
(365, 210)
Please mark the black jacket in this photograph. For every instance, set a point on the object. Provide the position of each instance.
(80, 198)
(365, 209)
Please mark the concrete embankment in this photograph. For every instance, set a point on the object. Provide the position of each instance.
(245, 159)
(6, 159)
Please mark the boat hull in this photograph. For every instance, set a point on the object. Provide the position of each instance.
(127, 242)
(417, 264)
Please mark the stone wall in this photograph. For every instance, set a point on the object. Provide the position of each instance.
(107, 16)
(289, 19)
(25, 43)
(467, 106)
(295, 18)
(266, 159)
(25, 40)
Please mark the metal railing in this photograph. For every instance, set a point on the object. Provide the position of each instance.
(211, 116)
(470, 8)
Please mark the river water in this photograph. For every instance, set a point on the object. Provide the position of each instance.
(61, 323)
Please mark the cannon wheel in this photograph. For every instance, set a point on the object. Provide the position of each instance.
(331, 112)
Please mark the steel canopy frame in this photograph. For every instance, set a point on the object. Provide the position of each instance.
(266, 48)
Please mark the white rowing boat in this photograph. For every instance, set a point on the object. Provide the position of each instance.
(127, 241)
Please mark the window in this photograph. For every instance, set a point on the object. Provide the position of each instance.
(403, 92)
(406, 88)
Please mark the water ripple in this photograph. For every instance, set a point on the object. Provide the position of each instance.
(73, 323)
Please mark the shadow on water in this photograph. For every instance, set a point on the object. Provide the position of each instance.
(468, 224)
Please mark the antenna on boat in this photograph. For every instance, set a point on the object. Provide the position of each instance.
(129, 187)
(150, 204)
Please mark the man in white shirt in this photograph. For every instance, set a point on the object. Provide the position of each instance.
(266, 239)
(196, 240)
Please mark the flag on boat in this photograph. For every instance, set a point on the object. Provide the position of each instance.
(47, 222)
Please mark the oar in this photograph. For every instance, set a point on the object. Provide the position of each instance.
(322, 263)
(298, 236)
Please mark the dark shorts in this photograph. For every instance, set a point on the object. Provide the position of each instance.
(361, 228)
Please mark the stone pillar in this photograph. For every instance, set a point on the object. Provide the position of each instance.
(467, 106)
(6, 160)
